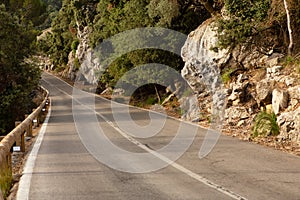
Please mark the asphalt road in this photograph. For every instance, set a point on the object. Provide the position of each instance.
(66, 164)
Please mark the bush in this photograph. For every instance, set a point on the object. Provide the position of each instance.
(74, 45)
(244, 21)
(151, 100)
(226, 76)
(5, 181)
(265, 124)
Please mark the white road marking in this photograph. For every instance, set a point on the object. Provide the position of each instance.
(163, 158)
(25, 181)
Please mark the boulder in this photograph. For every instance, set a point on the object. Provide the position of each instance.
(273, 60)
(263, 92)
(238, 89)
(279, 100)
(236, 113)
(289, 123)
(201, 69)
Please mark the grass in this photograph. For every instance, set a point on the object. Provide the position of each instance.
(265, 124)
(5, 181)
(150, 100)
(226, 76)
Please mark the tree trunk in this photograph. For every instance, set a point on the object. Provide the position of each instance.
(208, 7)
(157, 94)
(290, 48)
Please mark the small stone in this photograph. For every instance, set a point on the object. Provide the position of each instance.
(269, 108)
(289, 81)
(236, 102)
(279, 100)
(276, 69)
(240, 123)
(294, 103)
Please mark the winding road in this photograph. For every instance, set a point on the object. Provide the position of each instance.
(64, 164)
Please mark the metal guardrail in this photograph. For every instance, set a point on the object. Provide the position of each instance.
(17, 136)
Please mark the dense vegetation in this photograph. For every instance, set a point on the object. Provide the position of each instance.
(258, 22)
(18, 78)
(244, 22)
(107, 18)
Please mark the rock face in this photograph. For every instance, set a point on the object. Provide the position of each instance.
(201, 68)
(88, 63)
(268, 88)
(289, 123)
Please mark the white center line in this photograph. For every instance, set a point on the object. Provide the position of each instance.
(177, 166)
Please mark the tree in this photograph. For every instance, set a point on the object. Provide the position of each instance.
(17, 78)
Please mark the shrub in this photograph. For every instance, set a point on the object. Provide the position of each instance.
(243, 22)
(74, 45)
(226, 76)
(150, 100)
(265, 125)
(5, 181)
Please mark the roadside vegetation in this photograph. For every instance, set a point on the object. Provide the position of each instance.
(265, 124)
(6, 182)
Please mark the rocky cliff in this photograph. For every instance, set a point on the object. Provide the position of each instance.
(258, 81)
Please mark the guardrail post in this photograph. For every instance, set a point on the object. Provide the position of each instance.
(20, 141)
(29, 128)
(35, 120)
(18, 137)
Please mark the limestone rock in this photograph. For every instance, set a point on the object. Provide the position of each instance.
(289, 123)
(199, 44)
(273, 60)
(279, 100)
(263, 92)
(190, 108)
(294, 92)
(274, 71)
(238, 89)
(236, 113)
(202, 64)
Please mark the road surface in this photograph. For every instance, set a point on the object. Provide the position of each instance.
(63, 168)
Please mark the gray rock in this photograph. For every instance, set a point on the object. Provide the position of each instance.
(190, 109)
(279, 100)
(289, 123)
(272, 60)
(263, 92)
(202, 64)
(274, 69)
(294, 92)
(236, 113)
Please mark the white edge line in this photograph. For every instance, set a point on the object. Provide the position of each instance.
(163, 158)
(25, 181)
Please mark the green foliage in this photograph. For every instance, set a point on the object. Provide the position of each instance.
(107, 18)
(163, 11)
(5, 181)
(76, 64)
(74, 45)
(226, 75)
(17, 78)
(151, 100)
(28, 11)
(265, 124)
(244, 21)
